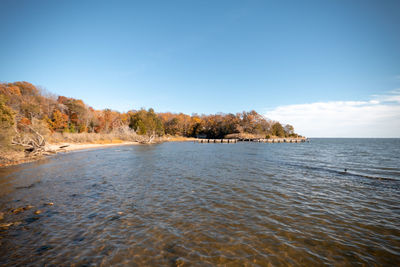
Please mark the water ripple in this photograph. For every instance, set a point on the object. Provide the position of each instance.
(207, 204)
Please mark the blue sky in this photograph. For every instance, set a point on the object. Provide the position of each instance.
(212, 56)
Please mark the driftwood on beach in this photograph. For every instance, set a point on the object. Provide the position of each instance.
(147, 140)
(33, 143)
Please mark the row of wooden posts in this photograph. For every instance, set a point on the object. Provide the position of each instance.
(217, 140)
(270, 140)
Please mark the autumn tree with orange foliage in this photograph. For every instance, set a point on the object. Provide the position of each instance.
(59, 121)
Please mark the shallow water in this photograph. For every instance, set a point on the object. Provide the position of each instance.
(207, 204)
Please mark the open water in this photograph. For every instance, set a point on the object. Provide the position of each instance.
(189, 204)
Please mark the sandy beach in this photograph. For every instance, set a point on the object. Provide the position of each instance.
(67, 147)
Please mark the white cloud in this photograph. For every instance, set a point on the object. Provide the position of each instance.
(379, 117)
(392, 96)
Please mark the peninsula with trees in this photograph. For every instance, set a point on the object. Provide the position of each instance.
(31, 119)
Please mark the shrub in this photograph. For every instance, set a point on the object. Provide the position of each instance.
(6, 123)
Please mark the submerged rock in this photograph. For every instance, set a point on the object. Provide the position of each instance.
(21, 209)
(38, 212)
(18, 210)
(49, 204)
(5, 225)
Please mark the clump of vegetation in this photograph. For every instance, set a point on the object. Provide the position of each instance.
(6, 124)
(239, 125)
(146, 122)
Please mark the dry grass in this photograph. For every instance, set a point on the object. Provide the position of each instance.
(170, 138)
(117, 136)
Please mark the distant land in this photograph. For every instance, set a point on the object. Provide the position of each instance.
(32, 118)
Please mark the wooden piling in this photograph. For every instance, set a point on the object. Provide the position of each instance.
(256, 140)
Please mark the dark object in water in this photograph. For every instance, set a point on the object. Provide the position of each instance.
(42, 249)
(25, 187)
(91, 216)
(31, 220)
(115, 217)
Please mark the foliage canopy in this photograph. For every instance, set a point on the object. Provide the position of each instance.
(21, 103)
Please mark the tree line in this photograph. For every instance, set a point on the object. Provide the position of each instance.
(22, 103)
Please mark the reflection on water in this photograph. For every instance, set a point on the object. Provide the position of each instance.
(207, 204)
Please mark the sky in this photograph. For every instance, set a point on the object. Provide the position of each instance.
(329, 68)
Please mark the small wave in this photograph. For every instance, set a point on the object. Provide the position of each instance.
(367, 176)
(344, 172)
(28, 186)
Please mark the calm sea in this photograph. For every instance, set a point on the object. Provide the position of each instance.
(189, 204)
